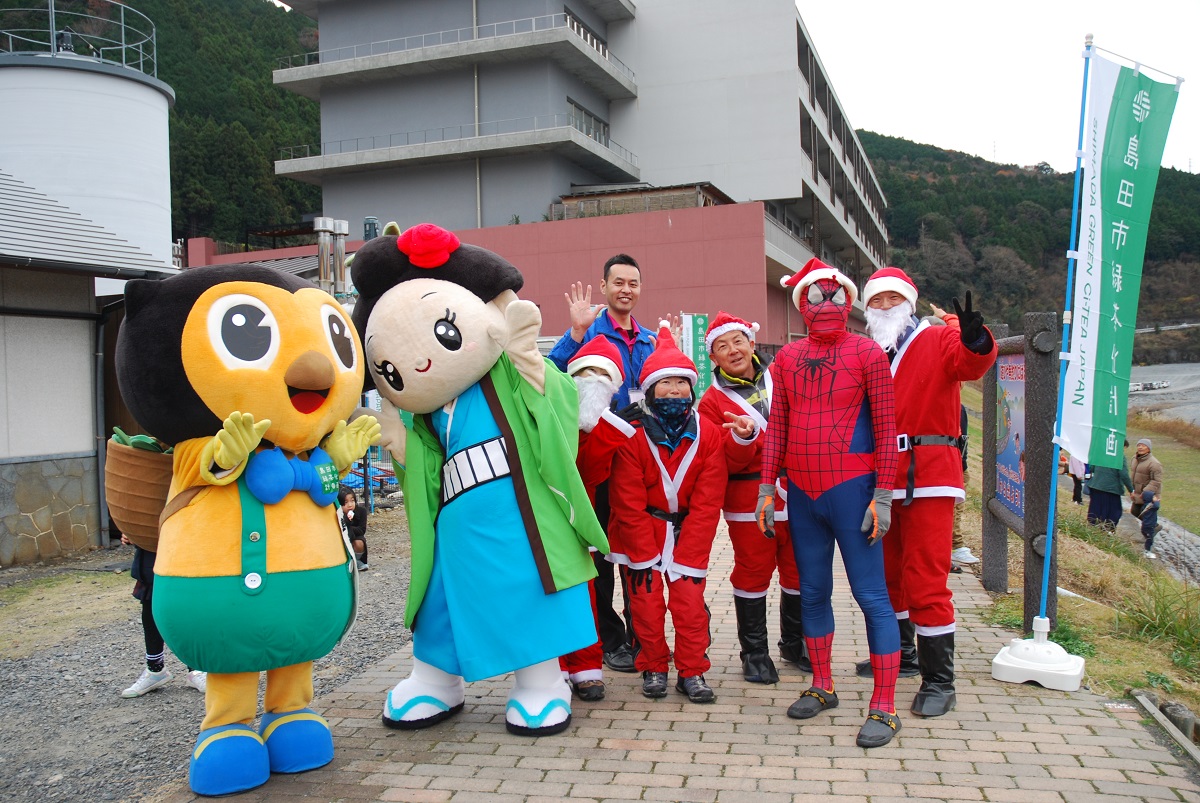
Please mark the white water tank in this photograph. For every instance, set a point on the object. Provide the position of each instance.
(89, 128)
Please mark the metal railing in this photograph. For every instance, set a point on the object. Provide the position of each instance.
(494, 30)
(113, 34)
(589, 127)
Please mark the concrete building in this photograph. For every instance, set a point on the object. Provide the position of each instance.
(479, 114)
(84, 197)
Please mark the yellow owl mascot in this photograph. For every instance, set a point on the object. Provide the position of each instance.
(250, 373)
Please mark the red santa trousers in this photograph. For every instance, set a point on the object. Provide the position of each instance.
(585, 664)
(756, 557)
(916, 560)
(650, 596)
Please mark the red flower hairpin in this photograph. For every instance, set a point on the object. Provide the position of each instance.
(427, 245)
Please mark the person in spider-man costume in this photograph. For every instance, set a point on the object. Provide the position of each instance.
(928, 363)
(833, 427)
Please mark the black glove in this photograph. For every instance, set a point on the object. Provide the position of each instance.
(630, 413)
(639, 578)
(970, 327)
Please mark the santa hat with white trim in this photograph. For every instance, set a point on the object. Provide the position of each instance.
(725, 323)
(892, 279)
(812, 271)
(599, 352)
(667, 360)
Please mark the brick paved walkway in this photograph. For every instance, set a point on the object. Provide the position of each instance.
(1004, 743)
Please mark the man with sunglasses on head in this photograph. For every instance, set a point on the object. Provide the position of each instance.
(928, 364)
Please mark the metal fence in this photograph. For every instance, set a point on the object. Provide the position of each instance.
(111, 33)
(493, 30)
(586, 126)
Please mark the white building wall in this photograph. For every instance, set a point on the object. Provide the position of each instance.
(95, 142)
(718, 95)
(47, 371)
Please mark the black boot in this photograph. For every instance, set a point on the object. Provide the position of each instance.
(792, 647)
(936, 657)
(909, 667)
(757, 666)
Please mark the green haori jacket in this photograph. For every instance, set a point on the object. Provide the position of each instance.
(559, 518)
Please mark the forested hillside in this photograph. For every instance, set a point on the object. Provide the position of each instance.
(229, 120)
(957, 221)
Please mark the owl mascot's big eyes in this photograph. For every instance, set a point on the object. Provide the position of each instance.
(500, 521)
(250, 374)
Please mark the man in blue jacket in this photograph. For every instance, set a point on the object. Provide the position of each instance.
(621, 288)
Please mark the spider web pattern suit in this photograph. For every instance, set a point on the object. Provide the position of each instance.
(821, 426)
(833, 426)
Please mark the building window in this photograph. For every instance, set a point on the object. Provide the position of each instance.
(588, 124)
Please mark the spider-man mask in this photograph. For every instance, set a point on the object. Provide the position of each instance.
(825, 306)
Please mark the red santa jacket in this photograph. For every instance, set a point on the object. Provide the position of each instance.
(743, 459)
(926, 373)
(646, 475)
(596, 450)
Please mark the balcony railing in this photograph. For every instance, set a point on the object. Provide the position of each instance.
(589, 127)
(495, 30)
(112, 33)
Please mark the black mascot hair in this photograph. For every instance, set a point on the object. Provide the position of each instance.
(149, 361)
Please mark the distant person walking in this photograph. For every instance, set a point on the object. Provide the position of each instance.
(1079, 472)
(1105, 487)
(1146, 495)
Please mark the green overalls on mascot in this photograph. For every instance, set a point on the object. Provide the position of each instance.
(499, 518)
(250, 373)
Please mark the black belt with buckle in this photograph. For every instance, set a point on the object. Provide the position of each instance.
(905, 443)
(666, 515)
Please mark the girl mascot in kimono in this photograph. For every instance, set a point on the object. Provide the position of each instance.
(499, 518)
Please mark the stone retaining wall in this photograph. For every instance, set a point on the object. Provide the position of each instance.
(48, 507)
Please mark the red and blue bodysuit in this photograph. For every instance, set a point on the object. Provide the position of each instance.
(832, 425)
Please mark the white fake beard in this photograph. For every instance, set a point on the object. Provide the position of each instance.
(595, 395)
(886, 325)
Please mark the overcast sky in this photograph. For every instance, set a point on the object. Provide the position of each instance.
(1001, 80)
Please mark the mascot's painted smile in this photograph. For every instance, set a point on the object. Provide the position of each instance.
(308, 380)
(307, 401)
(428, 365)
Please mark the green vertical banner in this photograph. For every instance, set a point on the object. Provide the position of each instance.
(695, 326)
(1126, 122)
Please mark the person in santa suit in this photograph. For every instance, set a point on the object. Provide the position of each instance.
(598, 374)
(927, 365)
(832, 426)
(666, 488)
(742, 386)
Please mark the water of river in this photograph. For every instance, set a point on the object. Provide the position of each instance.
(1180, 400)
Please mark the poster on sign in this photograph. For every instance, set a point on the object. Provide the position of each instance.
(1010, 432)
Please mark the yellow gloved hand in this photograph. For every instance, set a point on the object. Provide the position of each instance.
(349, 442)
(238, 438)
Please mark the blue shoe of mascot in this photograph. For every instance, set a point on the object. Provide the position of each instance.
(499, 518)
(250, 374)
(297, 740)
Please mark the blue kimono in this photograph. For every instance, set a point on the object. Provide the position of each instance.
(485, 611)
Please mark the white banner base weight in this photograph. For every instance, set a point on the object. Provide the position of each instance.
(1039, 660)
